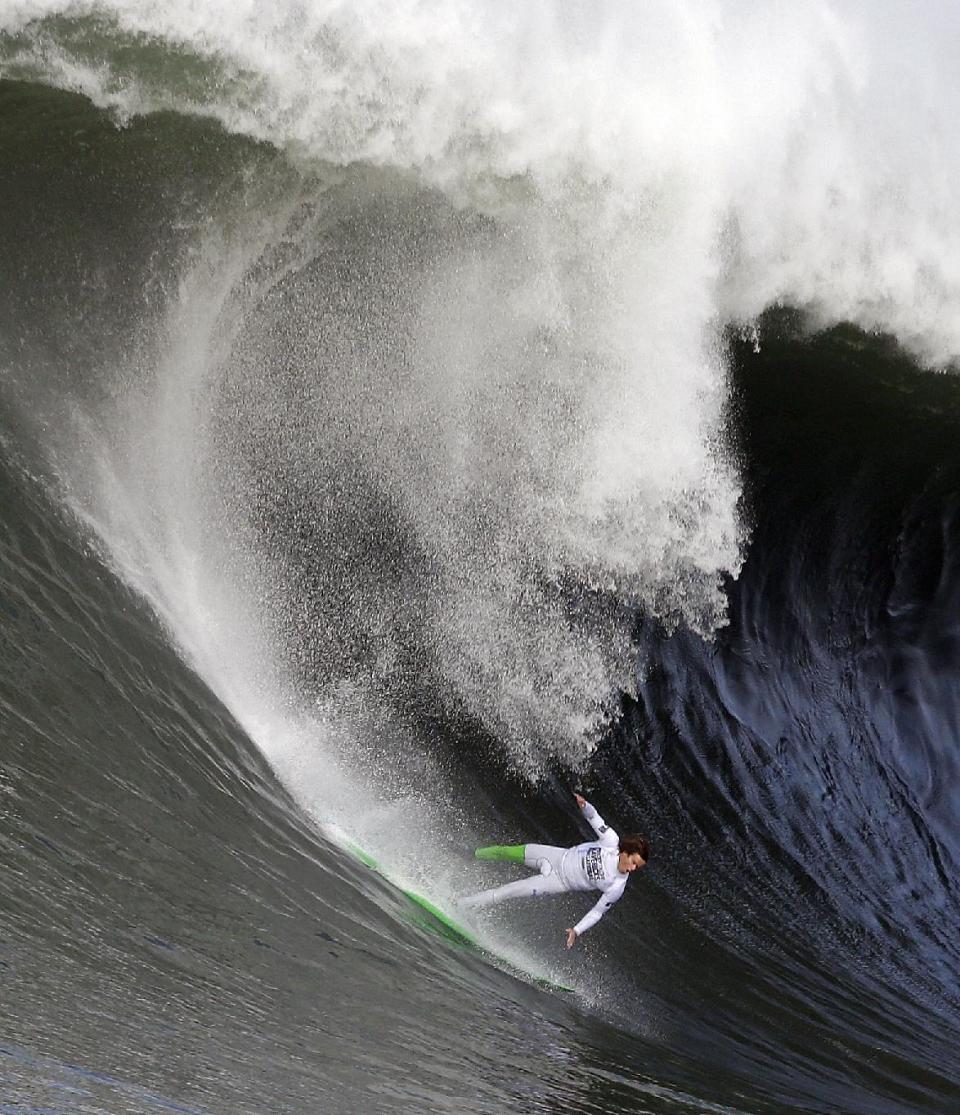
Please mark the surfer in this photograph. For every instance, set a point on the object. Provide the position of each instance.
(604, 864)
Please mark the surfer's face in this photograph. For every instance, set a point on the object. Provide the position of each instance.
(631, 861)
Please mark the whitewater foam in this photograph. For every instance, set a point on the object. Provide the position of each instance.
(489, 386)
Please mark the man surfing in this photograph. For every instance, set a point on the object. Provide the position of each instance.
(604, 864)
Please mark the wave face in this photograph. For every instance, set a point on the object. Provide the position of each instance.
(392, 432)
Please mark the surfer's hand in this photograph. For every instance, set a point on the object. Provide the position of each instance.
(571, 938)
(581, 801)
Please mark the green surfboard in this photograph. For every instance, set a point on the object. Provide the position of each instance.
(432, 918)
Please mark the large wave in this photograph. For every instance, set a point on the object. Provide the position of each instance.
(387, 352)
(484, 322)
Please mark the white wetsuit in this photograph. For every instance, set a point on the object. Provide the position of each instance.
(590, 866)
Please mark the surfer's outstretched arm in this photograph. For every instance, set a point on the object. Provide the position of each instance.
(593, 915)
(606, 835)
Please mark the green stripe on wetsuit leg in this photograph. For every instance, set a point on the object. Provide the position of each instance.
(513, 852)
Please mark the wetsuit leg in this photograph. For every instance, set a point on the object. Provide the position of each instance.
(532, 887)
(544, 857)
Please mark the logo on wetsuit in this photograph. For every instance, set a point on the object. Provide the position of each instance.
(593, 865)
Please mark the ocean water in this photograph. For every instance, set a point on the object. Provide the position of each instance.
(413, 413)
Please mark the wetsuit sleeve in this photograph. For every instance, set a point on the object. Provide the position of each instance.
(607, 835)
(607, 899)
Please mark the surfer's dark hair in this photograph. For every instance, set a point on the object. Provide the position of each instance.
(635, 846)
